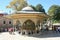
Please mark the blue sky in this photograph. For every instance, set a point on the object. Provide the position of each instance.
(45, 3)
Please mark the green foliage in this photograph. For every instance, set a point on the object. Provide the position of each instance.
(40, 8)
(33, 7)
(54, 12)
(57, 14)
(17, 4)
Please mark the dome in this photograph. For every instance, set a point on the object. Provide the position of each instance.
(2, 12)
(28, 9)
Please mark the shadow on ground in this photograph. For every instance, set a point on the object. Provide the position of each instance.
(46, 34)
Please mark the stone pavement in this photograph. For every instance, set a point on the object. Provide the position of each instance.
(50, 35)
(46, 34)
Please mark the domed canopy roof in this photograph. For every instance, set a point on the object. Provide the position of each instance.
(27, 9)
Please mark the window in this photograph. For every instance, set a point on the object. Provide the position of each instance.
(4, 22)
(9, 22)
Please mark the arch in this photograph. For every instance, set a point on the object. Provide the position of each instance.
(28, 25)
(38, 23)
(18, 24)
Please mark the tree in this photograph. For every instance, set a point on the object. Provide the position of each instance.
(54, 12)
(56, 16)
(33, 7)
(17, 4)
(40, 8)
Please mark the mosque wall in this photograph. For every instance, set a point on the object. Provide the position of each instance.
(5, 22)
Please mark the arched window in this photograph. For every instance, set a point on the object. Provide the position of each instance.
(9, 22)
(4, 22)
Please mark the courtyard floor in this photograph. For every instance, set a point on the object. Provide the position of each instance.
(44, 36)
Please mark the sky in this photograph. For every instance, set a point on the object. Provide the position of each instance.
(45, 3)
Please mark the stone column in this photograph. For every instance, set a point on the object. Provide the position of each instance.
(40, 26)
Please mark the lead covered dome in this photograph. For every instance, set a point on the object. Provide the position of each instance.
(28, 8)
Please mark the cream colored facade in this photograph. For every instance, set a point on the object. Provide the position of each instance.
(23, 17)
(5, 22)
